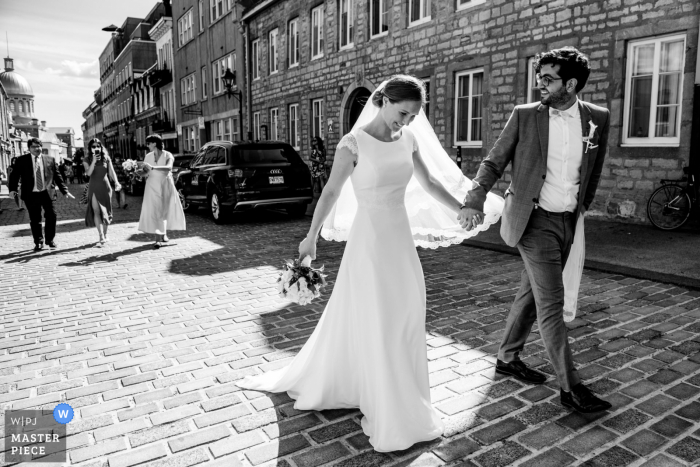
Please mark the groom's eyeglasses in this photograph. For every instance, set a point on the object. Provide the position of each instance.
(546, 80)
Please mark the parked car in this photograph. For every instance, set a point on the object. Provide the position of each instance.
(227, 177)
(182, 162)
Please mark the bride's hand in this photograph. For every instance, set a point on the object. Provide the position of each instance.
(307, 248)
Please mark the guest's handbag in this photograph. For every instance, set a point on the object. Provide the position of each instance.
(83, 197)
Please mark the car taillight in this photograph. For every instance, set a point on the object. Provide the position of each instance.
(237, 173)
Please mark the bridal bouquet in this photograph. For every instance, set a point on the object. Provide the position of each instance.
(129, 165)
(299, 282)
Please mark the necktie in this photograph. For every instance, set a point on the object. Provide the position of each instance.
(37, 174)
(559, 113)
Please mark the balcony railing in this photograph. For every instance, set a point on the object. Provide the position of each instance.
(159, 78)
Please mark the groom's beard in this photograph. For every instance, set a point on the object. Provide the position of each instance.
(559, 96)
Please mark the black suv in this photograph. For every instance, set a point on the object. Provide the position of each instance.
(229, 176)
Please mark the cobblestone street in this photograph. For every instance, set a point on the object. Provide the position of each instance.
(146, 345)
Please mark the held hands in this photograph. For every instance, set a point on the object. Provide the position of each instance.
(469, 218)
(307, 248)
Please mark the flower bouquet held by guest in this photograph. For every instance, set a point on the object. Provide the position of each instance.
(98, 166)
(161, 209)
(318, 164)
(123, 180)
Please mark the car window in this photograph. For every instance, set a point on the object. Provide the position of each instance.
(199, 158)
(215, 155)
(268, 154)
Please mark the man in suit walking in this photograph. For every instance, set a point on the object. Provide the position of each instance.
(556, 148)
(37, 173)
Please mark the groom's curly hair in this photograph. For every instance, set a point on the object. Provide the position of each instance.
(401, 88)
(572, 64)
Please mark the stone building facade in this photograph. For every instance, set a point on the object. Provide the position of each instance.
(207, 41)
(312, 64)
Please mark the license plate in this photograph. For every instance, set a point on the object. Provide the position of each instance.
(195, 181)
(276, 180)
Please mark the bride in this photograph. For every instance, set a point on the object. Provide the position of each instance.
(392, 188)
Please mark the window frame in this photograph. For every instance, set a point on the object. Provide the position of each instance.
(256, 126)
(183, 31)
(467, 4)
(273, 52)
(186, 90)
(204, 82)
(652, 141)
(382, 4)
(319, 41)
(255, 58)
(317, 117)
(274, 123)
(218, 70)
(469, 142)
(349, 34)
(293, 127)
(424, 5)
(531, 81)
(213, 10)
(201, 16)
(293, 53)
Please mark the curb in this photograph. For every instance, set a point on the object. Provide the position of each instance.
(600, 266)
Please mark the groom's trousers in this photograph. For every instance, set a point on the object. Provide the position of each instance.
(544, 247)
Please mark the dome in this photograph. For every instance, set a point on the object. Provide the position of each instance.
(14, 83)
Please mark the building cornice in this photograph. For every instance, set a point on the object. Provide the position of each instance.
(161, 28)
(257, 9)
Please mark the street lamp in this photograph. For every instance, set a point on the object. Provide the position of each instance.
(229, 80)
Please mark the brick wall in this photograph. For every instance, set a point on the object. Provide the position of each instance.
(498, 36)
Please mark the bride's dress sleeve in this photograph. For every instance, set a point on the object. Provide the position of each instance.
(348, 141)
(338, 223)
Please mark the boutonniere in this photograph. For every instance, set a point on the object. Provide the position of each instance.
(587, 139)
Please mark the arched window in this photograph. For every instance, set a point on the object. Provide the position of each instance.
(12, 106)
(21, 107)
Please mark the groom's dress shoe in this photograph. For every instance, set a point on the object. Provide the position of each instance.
(582, 399)
(520, 371)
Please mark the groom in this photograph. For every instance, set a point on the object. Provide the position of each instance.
(556, 148)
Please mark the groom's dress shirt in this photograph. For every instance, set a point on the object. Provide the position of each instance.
(40, 161)
(561, 186)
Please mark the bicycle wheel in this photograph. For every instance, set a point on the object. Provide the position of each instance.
(669, 207)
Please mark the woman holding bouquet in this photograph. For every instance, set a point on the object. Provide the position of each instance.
(161, 209)
(98, 166)
(386, 195)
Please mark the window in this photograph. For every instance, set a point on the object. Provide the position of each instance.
(255, 53)
(12, 106)
(217, 9)
(653, 91)
(201, 15)
(235, 126)
(204, 82)
(464, 4)
(184, 28)
(317, 32)
(218, 130)
(21, 106)
(293, 41)
(419, 11)
(272, 49)
(468, 107)
(346, 23)
(219, 70)
(426, 107)
(379, 17)
(191, 134)
(533, 92)
(294, 125)
(227, 129)
(317, 110)
(256, 126)
(274, 114)
(188, 89)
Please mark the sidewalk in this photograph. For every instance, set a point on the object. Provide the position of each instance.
(639, 251)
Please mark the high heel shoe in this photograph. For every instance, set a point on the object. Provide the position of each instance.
(157, 245)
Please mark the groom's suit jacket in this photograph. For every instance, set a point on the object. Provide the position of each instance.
(524, 143)
(24, 170)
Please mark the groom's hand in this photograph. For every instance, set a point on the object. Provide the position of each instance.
(469, 218)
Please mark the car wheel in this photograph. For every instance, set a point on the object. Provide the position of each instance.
(186, 205)
(296, 210)
(216, 210)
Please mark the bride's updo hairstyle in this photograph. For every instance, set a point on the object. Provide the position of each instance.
(400, 88)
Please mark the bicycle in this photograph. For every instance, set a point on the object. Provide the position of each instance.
(670, 205)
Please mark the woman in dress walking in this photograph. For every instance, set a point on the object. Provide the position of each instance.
(98, 166)
(318, 164)
(161, 210)
(368, 350)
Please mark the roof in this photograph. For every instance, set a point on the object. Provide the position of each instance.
(60, 130)
(253, 7)
(16, 84)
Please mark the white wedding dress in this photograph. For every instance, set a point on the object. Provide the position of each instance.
(368, 350)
